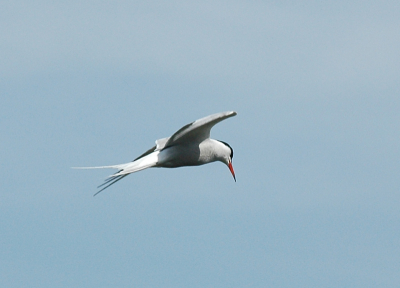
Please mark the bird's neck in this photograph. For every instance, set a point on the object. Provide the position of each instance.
(211, 150)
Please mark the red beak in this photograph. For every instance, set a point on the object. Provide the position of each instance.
(231, 168)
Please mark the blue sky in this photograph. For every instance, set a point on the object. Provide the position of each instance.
(316, 143)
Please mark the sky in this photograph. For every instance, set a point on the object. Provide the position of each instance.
(316, 143)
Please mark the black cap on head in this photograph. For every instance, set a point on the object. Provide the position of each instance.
(228, 146)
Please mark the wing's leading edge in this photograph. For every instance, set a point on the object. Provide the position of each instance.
(198, 130)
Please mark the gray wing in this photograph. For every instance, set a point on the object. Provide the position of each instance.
(160, 144)
(198, 130)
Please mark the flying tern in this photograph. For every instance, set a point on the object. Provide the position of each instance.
(189, 146)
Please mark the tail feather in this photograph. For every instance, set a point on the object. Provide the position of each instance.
(118, 166)
(112, 180)
(108, 180)
(140, 164)
(145, 162)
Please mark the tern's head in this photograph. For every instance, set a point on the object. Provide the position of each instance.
(227, 157)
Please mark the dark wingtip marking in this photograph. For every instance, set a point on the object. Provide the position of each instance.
(112, 180)
(151, 150)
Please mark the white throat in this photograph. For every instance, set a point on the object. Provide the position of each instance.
(212, 150)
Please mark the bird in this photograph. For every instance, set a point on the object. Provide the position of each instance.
(189, 146)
